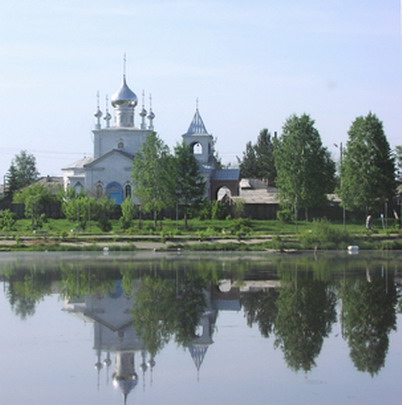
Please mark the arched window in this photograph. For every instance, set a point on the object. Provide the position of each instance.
(127, 191)
(78, 187)
(120, 145)
(223, 192)
(197, 149)
(99, 190)
(115, 191)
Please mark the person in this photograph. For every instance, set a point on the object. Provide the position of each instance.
(368, 222)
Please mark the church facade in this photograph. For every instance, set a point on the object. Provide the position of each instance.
(108, 171)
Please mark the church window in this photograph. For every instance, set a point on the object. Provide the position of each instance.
(99, 190)
(120, 145)
(78, 187)
(127, 191)
(197, 149)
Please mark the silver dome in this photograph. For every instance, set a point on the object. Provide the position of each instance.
(124, 96)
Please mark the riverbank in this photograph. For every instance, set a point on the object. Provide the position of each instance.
(195, 242)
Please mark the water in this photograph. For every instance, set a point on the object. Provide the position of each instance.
(212, 328)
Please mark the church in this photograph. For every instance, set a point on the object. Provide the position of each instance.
(108, 171)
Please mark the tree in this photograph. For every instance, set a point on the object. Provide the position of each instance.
(258, 160)
(305, 170)
(76, 207)
(103, 209)
(7, 220)
(128, 211)
(152, 176)
(264, 150)
(190, 185)
(248, 165)
(22, 172)
(368, 167)
(34, 198)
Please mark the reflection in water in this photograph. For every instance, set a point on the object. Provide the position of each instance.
(368, 316)
(136, 308)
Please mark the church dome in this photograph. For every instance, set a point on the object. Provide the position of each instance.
(124, 96)
(125, 385)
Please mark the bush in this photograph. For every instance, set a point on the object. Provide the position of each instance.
(7, 220)
(220, 210)
(325, 236)
(128, 210)
(285, 215)
(204, 210)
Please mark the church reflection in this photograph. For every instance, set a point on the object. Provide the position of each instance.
(114, 335)
(117, 343)
(135, 313)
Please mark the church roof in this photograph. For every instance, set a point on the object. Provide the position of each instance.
(79, 163)
(100, 158)
(197, 126)
(226, 174)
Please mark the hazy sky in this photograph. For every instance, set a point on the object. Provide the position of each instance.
(250, 63)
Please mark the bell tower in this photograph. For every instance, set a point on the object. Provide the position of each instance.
(198, 138)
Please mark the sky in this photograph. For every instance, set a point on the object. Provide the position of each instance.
(251, 64)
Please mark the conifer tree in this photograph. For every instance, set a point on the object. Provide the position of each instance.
(258, 160)
(22, 172)
(190, 185)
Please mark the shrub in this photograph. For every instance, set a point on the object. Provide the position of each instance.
(325, 236)
(285, 215)
(7, 220)
(128, 210)
(220, 210)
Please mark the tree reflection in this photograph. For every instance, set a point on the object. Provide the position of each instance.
(165, 307)
(260, 308)
(368, 316)
(306, 311)
(26, 289)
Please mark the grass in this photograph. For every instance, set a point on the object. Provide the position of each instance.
(273, 234)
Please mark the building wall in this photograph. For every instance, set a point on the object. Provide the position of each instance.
(108, 139)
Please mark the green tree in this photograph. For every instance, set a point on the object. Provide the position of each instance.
(128, 211)
(190, 185)
(103, 209)
(305, 170)
(76, 207)
(22, 172)
(153, 177)
(368, 167)
(258, 160)
(7, 220)
(264, 150)
(34, 198)
(248, 164)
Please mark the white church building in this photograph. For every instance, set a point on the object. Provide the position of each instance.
(108, 171)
